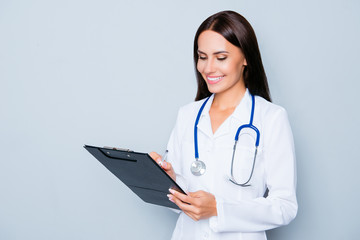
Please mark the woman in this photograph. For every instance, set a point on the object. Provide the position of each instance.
(226, 187)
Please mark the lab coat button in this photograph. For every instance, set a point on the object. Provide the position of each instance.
(206, 235)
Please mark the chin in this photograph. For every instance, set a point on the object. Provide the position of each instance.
(214, 91)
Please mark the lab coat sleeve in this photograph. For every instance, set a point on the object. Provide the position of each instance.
(280, 206)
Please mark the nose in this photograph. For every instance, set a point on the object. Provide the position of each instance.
(209, 66)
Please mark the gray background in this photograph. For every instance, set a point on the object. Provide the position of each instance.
(115, 73)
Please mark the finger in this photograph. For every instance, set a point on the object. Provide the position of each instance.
(166, 166)
(155, 156)
(182, 205)
(182, 197)
(190, 210)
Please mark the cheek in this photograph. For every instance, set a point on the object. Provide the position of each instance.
(232, 69)
(229, 68)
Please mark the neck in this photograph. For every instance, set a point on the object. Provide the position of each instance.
(229, 99)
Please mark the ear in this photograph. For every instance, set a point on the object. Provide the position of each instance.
(245, 63)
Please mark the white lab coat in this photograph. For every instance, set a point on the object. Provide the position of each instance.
(243, 212)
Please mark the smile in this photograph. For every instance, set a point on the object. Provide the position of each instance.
(213, 80)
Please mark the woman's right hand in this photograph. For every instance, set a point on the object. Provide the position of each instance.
(165, 165)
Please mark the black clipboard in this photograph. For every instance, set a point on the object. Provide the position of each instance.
(139, 172)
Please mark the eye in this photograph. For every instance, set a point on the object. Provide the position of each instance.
(202, 57)
(221, 58)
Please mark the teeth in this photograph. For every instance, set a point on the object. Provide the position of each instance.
(214, 79)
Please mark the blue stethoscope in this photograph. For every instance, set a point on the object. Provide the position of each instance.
(198, 167)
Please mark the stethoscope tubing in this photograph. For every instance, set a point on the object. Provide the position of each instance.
(195, 129)
(249, 125)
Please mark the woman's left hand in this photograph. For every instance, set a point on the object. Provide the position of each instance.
(197, 205)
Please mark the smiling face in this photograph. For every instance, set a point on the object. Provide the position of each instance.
(220, 63)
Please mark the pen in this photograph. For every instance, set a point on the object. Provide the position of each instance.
(164, 157)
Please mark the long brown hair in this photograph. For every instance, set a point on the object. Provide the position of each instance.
(238, 31)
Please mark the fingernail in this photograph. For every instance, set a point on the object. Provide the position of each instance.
(172, 191)
(164, 164)
(170, 198)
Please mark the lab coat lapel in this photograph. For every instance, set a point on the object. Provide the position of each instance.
(242, 112)
(204, 124)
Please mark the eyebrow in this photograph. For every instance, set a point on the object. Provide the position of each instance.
(218, 52)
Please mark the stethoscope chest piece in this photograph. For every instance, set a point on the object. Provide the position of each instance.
(198, 168)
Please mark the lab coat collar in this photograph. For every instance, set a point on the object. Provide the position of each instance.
(241, 115)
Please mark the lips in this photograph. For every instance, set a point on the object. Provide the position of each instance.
(214, 79)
